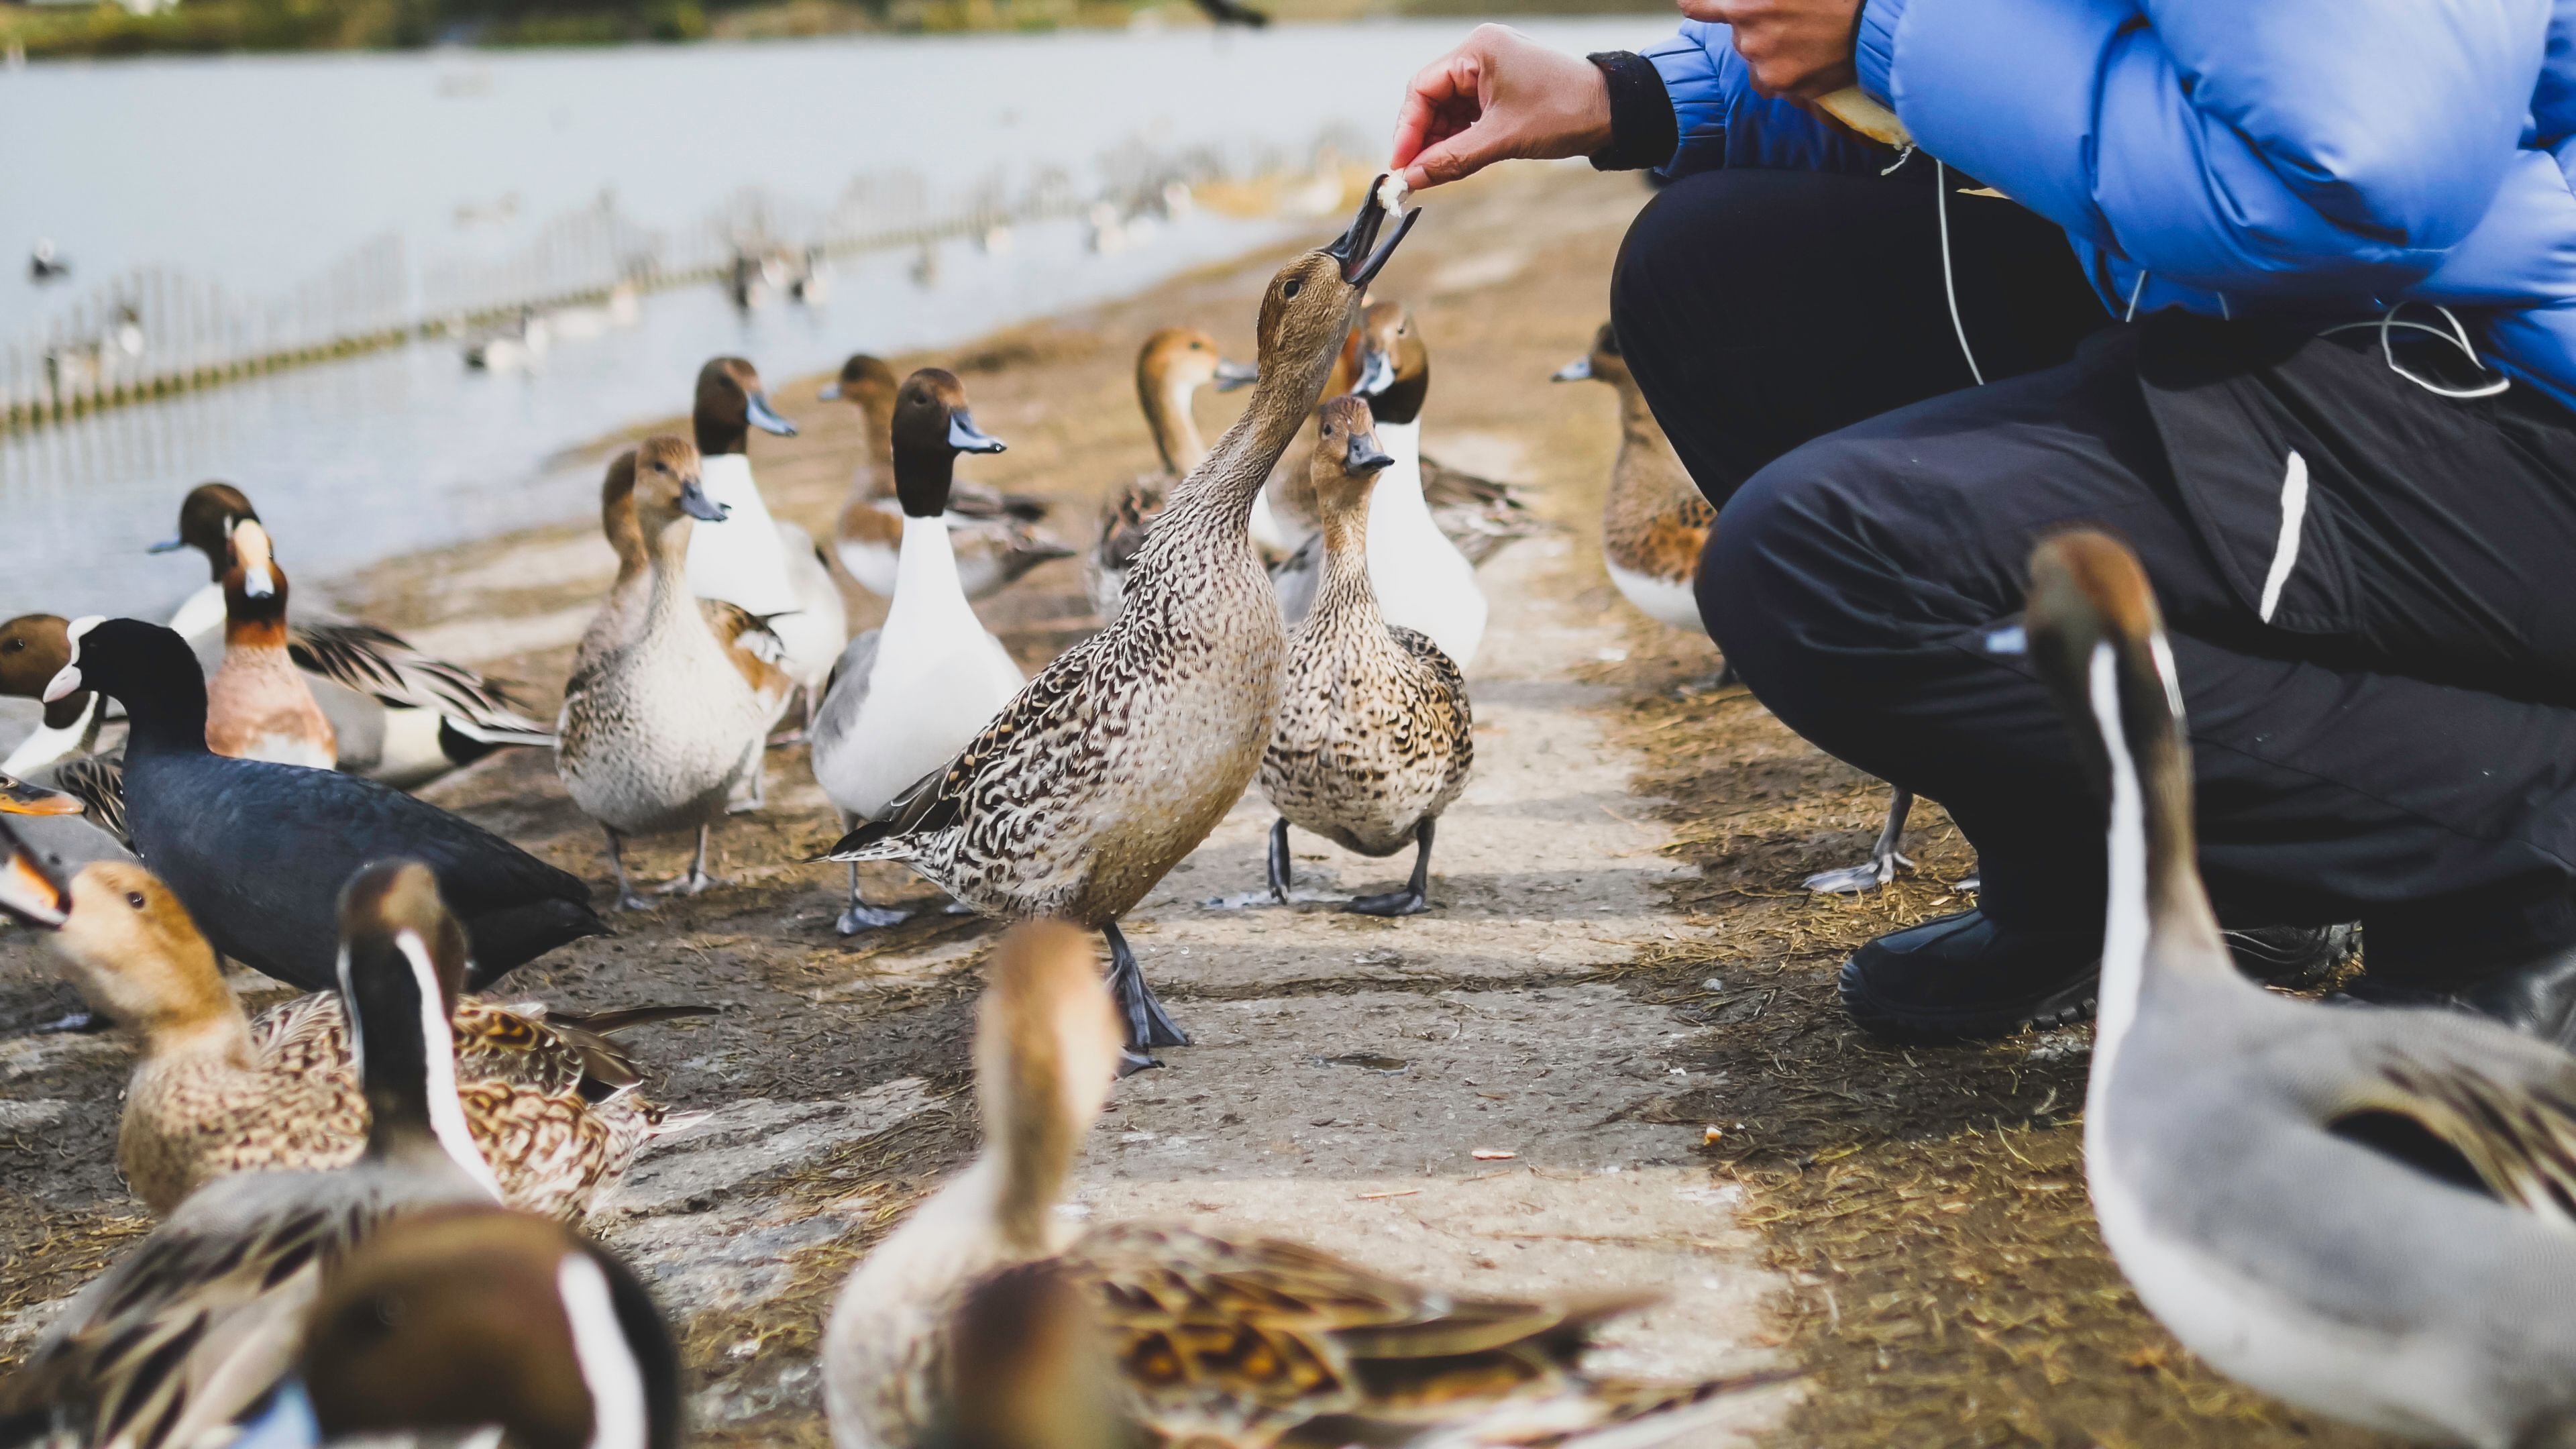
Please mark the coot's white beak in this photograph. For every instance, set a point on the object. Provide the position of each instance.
(65, 682)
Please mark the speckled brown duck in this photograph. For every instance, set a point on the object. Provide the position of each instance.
(1375, 736)
(1121, 755)
(1654, 524)
(1171, 367)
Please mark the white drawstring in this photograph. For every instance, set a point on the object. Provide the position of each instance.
(1949, 285)
(2135, 289)
(2389, 322)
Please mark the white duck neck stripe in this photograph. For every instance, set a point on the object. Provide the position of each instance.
(2285, 551)
(618, 1416)
(2124, 931)
(438, 1042)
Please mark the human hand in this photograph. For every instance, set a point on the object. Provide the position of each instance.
(1500, 96)
(1796, 48)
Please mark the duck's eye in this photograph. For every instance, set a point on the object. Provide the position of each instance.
(134, 899)
(1294, 286)
(14, 645)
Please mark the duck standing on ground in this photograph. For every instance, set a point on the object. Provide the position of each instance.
(747, 557)
(192, 1328)
(1171, 367)
(1654, 526)
(908, 696)
(988, 531)
(1375, 736)
(256, 851)
(1215, 1342)
(2366, 1211)
(257, 704)
(657, 731)
(397, 715)
(1122, 754)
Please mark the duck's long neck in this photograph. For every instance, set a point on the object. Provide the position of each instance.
(1344, 599)
(716, 438)
(626, 536)
(926, 586)
(668, 598)
(171, 719)
(407, 1065)
(1224, 483)
(1166, 401)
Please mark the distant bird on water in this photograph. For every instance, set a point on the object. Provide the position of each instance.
(45, 264)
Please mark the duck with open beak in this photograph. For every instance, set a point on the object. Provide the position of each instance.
(1359, 250)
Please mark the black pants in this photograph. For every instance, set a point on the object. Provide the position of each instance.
(2387, 733)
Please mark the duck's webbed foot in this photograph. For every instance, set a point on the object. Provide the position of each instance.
(1148, 1025)
(1280, 870)
(1414, 899)
(864, 917)
(627, 898)
(1884, 860)
(695, 879)
(78, 1023)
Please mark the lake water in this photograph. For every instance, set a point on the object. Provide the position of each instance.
(259, 172)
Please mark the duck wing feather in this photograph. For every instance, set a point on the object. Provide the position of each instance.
(384, 665)
(2502, 1105)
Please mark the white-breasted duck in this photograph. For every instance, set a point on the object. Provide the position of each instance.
(2369, 1212)
(988, 530)
(1654, 525)
(257, 704)
(401, 1346)
(747, 556)
(909, 695)
(1375, 735)
(1421, 578)
(397, 715)
(1123, 753)
(190, 1330)
(74, 748)
(256, 851)
(1213, 1342)
(1171, 367)
(551, 1106)
(657, 732)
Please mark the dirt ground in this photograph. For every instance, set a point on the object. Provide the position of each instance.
(1622, 985)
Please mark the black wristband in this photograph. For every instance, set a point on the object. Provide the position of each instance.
(1643, 132)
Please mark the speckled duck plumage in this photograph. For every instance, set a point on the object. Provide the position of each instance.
(1655, 523)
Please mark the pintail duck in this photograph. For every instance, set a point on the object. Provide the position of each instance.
(256, 851)
(193, 1327)
(257, 705)
(1171, 367)
(2366, 1212)
(988, 531)
(747, 557)
(1213, 1342)
(401, 1346)
(907, 697)
(396, 714)
(657, 731)
(1421, 578)
(1123, 753)
(1375, 736)
(1655, 525)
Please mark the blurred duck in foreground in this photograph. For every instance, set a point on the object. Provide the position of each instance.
(659, 728)
(1213, 1342)
(1171, 367)
(550, 1102)
(396, 714)
(745, 556)
(256, 851)
(192, 1328)
(1375, 736)
(907, 697)
(1123, 753)
(1655, 524)
(452, 1324)
(257, 704)
(988, 531)
(2369, 1212)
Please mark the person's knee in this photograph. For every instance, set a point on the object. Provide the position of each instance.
(1785, 563)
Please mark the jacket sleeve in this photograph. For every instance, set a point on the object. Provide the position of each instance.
(1723, 123)
(2331, 149)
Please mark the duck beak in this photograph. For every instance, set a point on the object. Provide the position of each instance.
(766, 418)
(26, 891)
(67, 682)
(258, 582)
(167, 545)
(1360, 266)
(1365, 456)
(965, 437)
(1377, 372)
(831, 393)
(695, 503)
(17, 797)
(1231, 375)
(1579, 370)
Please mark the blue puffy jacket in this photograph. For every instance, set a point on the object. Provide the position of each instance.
(2229, 156)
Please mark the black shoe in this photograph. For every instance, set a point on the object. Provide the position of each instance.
(2536, 998)
(1967, 978)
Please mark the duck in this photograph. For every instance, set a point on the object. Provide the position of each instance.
(257, 704)
(1421, 579)
(189, 1331)
(2364, 1211)
(1654, 526)
(748, 557)
(57, 828)
(908, 696)
(658, 731)
(988, 530)
(74, 748)
(400, 1344)
(1375, 735)
(1212, 1341)
(1120, 756)
(256, 850)
(397, 714)
(551, 1108)
(1171, 367)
